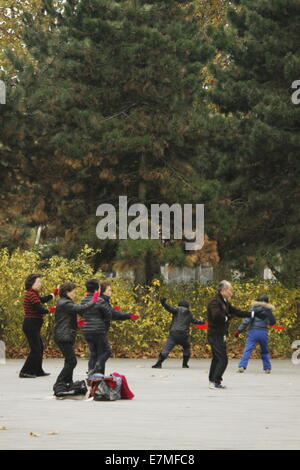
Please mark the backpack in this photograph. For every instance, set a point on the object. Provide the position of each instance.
(105, 388)
(66, 390)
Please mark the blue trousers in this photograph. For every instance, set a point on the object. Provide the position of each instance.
(255, 337)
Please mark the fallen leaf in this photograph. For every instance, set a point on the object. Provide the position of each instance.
(52, 433)
(3, 428)
(33, 434)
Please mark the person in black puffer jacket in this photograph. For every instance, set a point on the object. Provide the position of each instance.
(105, 289)
(179, 332)
(65, 329)
(96, 323)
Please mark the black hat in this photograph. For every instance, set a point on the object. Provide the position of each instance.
(183, 303)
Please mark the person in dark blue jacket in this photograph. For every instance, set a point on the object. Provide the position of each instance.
(258, 333)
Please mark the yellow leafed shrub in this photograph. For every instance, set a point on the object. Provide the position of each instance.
(146, 336)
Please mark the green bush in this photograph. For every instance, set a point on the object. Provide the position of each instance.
(146, 336)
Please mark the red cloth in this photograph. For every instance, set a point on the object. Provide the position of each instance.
(276, 327)
(126, 393)
(81, 322)
(202, 327)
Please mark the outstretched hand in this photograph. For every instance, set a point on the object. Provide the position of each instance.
(134, 316)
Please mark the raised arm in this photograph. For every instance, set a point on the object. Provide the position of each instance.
(120, 316)
(235, 312)
(70, 307)
(168, 307)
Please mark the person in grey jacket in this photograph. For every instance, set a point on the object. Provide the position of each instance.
(258, 333)
(65, 328)
(179, 332)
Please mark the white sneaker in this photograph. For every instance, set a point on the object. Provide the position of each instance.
(211, 385)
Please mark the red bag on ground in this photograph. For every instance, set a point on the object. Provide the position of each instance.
(126, 393)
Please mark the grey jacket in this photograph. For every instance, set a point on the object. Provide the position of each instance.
(182, 318)
(258, 323)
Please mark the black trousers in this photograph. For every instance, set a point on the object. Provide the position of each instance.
(97, 344)
(66, 375)
(32, 330)
(174, 339)
(219, 358)
(106, 354)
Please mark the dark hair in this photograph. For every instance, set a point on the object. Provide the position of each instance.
(92, 285)
(262, 298)
(104, 285)
(65, 288)
(30, 280)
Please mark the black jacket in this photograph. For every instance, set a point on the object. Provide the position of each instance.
(65, 326)
(115, 314)
(97, 317)
(182, 318)
(219, 314)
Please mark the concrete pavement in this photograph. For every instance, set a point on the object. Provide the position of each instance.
(173, 409)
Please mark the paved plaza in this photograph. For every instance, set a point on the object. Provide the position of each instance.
(172, 409)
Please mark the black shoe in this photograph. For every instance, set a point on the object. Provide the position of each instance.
(23, 375)
(43, 374)
(156, 366)
(185, 366)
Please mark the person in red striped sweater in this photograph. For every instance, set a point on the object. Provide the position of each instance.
(34, 312)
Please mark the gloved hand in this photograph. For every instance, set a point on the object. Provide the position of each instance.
(117, 308)
(56, 291)
(95, 296)
(81, 322)
(52, 309)
(134, 316)
(237, 333)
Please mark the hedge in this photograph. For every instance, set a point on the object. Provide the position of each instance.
(144, 337)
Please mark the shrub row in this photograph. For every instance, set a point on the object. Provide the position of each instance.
(144, 337)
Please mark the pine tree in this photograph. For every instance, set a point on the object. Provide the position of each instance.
(258, 141)
(110, 106)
